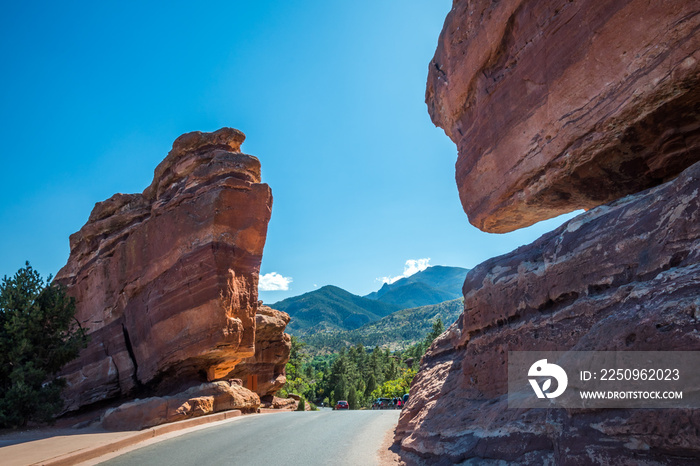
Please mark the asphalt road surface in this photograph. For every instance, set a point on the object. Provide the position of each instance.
(308, 438)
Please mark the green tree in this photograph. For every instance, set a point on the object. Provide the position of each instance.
(38, 335)
(397, 387)
(302, 404)
(371, 385)
(437, 330)
(296, 358)
(341, 392)
(352, 398)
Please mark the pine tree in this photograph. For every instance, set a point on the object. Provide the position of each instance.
(341, 390)
(437, 330)
(38, 335)
(371, 386)
(352, 398)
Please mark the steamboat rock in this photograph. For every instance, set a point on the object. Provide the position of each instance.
(166, 280)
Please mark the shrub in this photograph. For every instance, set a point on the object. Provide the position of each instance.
(302, 405)
(38, 335)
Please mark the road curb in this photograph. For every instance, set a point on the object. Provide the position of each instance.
(89, 453)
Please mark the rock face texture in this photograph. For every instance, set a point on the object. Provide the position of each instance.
(264, 372)
(554, 106)
(284, 404)
(207, 398)
(166, 281)
(621, 277)
(560, 105)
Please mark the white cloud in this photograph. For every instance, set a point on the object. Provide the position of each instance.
(274, 282)
(412, 266)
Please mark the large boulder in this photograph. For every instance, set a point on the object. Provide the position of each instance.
(264, 372)
(207, 398)
(621, 277)
(166, 280)
(559, 105)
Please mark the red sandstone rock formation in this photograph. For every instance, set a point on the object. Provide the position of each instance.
(559, 105)
(624, 276)
(554, 106)
(284, 404)
(264, 372)
(197, 401)
(166, 281)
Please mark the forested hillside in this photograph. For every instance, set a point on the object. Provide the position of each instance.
(398, 330)
(331, 308)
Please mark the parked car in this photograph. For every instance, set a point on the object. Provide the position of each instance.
(342, 405)
(382, 403)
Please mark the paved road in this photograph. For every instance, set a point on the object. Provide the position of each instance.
(292, 438)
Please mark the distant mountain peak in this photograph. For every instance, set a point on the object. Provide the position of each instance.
(333, 308)
(385, 286)
(433, 285)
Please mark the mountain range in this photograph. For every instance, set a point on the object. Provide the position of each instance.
(433, 285)
(331, 308)
(397, 330)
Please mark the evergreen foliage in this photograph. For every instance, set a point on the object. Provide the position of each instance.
(437, 330)
(356, 374)
(352, 398)
(38, 335)
(298, 376)
(398, 330)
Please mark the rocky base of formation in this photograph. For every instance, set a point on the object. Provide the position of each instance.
(197, 401)
(264, 372)
(622, 277)
(559, 105)
(283, 404)
(166, 280)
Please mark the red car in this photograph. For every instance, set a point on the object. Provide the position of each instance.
(342, 405)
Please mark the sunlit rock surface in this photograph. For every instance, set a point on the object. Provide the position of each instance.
(166, 281)
(200, 400)
(264, 372)
(560, 105)
(621, 277)
(556, 106)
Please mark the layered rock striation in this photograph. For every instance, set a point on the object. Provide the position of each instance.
(621, 277)
(555, 106)
(559, 105)
(264, 372)
(166, 280)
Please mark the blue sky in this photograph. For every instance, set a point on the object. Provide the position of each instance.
(329, 94)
